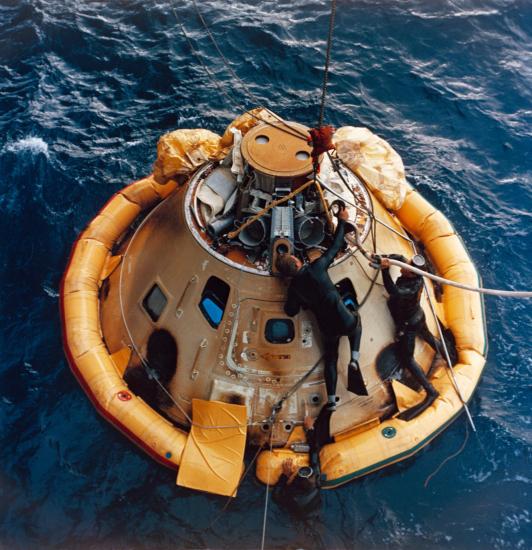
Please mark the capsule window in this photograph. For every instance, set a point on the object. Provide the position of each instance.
(279, 331)
(213, 301)
(154, 303)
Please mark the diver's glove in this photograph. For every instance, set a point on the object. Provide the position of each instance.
(375, 261)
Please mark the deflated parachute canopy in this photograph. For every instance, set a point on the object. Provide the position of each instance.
(182, 151)
(375, 162)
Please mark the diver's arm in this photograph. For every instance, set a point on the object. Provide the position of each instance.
(388, 283)
(327, 259)
(293, 303)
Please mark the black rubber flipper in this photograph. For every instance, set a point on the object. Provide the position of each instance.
(416, 410)
(389, 368)
(355, 381)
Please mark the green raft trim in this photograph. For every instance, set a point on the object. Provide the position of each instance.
(395, 458)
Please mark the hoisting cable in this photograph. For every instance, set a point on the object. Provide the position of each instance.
(327, 63)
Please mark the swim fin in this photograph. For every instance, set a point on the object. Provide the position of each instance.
(355, 382)
(416, 410)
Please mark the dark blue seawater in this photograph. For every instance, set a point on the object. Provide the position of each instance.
(86, 89)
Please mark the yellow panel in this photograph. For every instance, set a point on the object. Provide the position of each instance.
(213, 457)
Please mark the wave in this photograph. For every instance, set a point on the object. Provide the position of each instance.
(31, 144)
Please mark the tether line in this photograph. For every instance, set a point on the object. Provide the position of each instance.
(327, 63)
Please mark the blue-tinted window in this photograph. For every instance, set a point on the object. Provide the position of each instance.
(213, 301)
(279, 331)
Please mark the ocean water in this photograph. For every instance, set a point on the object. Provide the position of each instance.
(86, 89)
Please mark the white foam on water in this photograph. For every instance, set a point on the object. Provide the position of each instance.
(51, 292)
(32, 144)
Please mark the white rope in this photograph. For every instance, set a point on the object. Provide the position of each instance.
(480, 290)
(266, 497)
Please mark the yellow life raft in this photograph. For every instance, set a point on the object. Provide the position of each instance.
(106, 326)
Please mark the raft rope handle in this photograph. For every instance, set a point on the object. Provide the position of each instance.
(447, 356)
(445, 349)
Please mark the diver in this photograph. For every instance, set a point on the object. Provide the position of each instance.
(299, 488)
(409, 317)
(312, 288)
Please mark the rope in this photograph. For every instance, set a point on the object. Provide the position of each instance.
(450, 457)
(223, 91)
(491, 291)
(222, 56)
(480, 290)
(231, 497)
(447, 356)
(373, 229)
(327, 62)
(267, 493)
(236, 77)
(365, 210)
(277, 407)
(446, 350)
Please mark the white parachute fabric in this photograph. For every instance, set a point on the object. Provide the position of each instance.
(375, 161)
(182, 151)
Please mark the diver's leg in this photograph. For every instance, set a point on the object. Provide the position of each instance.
(354, 339)
(319, 436)
(407, 343)
(432, 341)
(355, 381)
(330, 373)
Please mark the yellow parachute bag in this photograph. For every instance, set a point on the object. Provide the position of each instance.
(375, 161)
(245, 122)
(182, 151)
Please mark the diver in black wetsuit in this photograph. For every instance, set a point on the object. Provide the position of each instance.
(410, 322)
(298, 489)
(311, 287)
